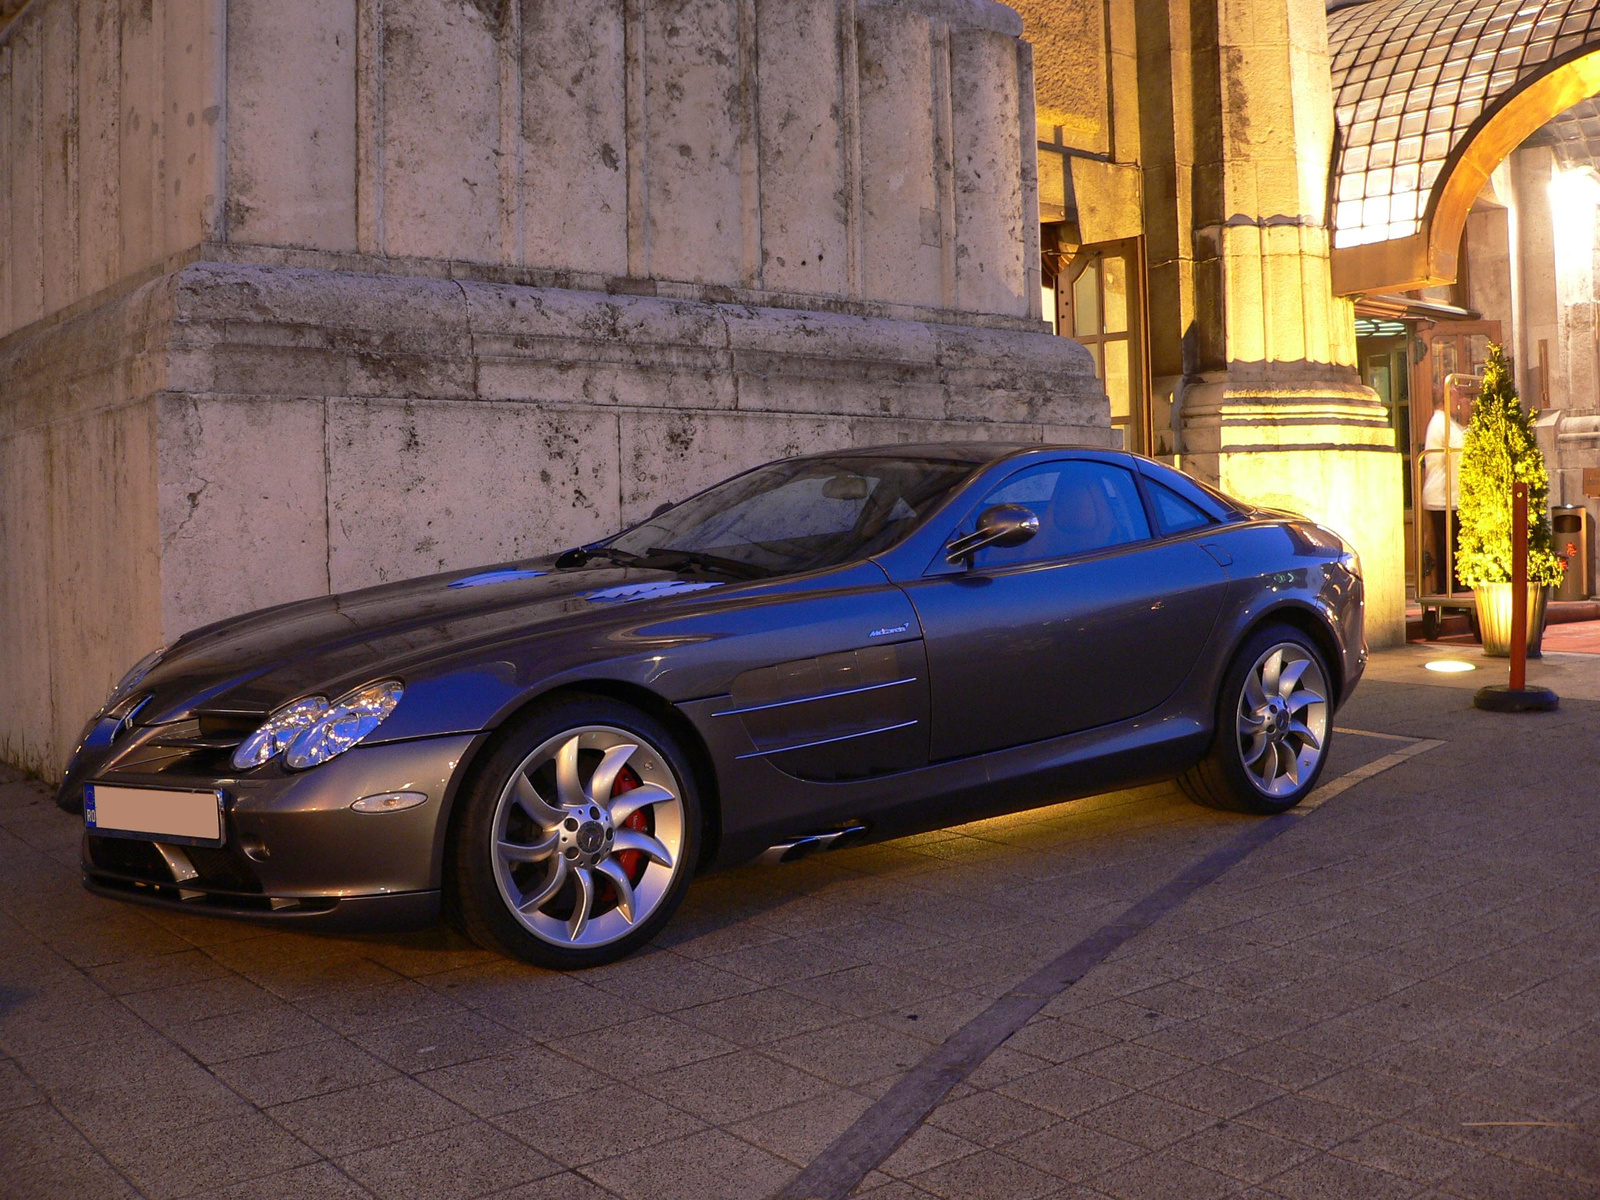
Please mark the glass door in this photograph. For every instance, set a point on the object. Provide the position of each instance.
(1447, 362)
(1100, 303)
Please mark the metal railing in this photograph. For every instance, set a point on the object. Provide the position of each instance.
(1456, 384)
(1419, 525)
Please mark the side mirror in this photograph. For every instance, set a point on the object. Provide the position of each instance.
(659, 509)
(999, 525)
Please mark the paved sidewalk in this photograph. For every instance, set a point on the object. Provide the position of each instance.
(1393, 998)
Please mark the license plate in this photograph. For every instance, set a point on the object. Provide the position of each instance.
(168, 815)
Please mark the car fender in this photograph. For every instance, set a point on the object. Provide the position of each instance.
(1313, 615)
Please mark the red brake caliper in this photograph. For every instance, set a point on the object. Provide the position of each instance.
(631, 861)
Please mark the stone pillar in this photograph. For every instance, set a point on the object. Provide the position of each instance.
(365, 289)
(1247, 337)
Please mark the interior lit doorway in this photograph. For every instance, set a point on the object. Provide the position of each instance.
(1447, 348)
(1094, 294)
(1447, 362)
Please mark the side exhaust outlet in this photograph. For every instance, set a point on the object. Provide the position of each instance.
(793, 851)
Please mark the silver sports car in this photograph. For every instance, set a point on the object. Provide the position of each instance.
(817, 651)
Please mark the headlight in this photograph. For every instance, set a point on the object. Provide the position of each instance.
(1350, 559)
(1322, 538)
(134, 677)
(349, 719)
(282, 727)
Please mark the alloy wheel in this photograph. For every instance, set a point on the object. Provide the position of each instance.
(588, 836)
(1283, 719)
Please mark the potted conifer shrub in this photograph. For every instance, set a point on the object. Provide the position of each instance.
(1499, 450)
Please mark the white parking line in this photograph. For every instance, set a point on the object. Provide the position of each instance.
(1376, 767)
(1373, 733)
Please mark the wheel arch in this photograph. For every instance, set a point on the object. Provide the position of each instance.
(1311, 621)
(636, 696)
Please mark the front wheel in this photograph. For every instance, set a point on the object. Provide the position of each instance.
(577, 838)
(1273, 726)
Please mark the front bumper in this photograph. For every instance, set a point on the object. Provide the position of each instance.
(345, 914)
(294, 851)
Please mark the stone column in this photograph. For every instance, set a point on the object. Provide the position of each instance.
(1247, 337)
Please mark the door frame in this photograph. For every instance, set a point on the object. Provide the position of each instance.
(1423, 387)
(1140, 423)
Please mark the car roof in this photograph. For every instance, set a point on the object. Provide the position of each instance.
(976, 453)
(983, 454)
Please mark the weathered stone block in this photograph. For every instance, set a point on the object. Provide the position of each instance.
(698, 127)
(806, 190)
(902, 230)
(574, 202)
(104, 561)
(25, 160)
(59, 128)
(441, 129)
(798, 146)
(247, 473)
(987, 166)
(98, 103)
(27, 658)
(292, 123)
(422, 486)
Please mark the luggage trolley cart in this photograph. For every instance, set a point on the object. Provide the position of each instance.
(1453, 599)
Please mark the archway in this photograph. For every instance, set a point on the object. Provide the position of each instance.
(1430, 96)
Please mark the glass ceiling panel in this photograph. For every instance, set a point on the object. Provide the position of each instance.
(1409, 79)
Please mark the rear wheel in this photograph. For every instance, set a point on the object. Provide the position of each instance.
(1273, 726)
(578, 837)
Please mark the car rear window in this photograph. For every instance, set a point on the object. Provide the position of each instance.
(1175, 514)
(1207, 499)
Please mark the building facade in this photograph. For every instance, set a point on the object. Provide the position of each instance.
(1466, 184)
(302, 295)
(1185, 153)
(298, 296)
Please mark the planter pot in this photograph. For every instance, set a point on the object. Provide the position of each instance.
(1494, 617)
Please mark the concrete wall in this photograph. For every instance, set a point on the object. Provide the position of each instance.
(234, 435)
(301, 295)
(110, 146)
(80, 564)
(855, 149)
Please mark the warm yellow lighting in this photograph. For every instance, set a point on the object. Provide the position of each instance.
(1574, 196)
(1448, 666)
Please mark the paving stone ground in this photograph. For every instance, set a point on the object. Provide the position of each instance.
(1395, 998)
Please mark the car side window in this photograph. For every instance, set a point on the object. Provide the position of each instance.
(1082, 506)
(1173, 512)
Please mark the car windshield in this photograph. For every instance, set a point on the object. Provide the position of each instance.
(796, 515)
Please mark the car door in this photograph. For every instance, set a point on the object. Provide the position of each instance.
(1095, 619)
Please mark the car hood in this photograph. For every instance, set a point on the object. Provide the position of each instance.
(256, 662)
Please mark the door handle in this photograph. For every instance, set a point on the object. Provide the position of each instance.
(1222, 557)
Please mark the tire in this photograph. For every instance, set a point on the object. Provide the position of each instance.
(535, 834)
(1271, 738)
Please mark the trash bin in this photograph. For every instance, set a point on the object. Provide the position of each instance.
(1572, 537)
